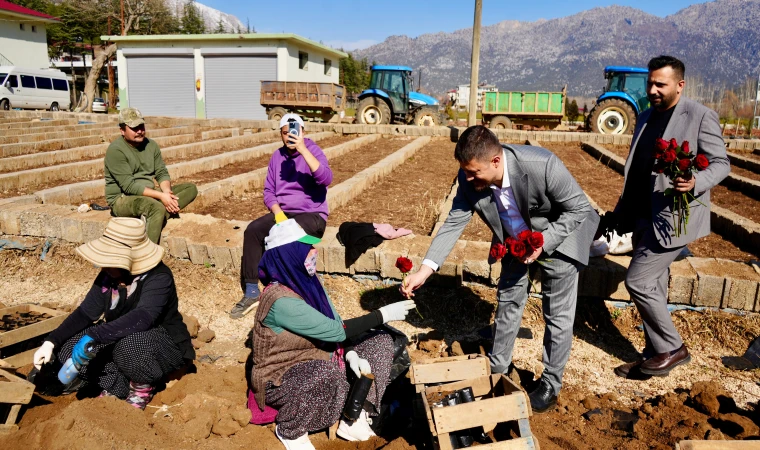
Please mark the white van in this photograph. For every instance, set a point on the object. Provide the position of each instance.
(33, 89)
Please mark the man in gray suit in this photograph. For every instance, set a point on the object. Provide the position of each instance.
(644, 209)
(515, 188)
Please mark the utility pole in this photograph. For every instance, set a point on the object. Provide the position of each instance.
(475, 64)
(754, 110)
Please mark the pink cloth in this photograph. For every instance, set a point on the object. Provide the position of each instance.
(387, 231)
(259, 417)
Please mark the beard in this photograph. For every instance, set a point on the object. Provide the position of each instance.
(660, 101)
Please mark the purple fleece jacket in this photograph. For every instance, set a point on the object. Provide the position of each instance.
(291, 184)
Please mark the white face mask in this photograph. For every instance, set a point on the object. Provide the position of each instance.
(311, 263)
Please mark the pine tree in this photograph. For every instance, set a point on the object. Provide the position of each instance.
(192, 22)
(220, 27)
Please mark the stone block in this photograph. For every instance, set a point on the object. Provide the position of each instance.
(591, 281)
(93, 224)
(236, 253)
(391, 250)
(475, 260)
(177, 246)
(709, 285)
(10, 217)
(452, 266)
(44, 221)
(740, 294)
(682, 284)
(616, 269)
(220, 257)
(330, 233)
(198, 253)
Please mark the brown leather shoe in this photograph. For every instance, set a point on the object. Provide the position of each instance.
(661, 364)
(632, 371)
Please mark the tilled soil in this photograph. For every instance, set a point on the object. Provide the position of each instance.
(737, 202)
(596, 409)
(410, 196)
(218, 151)
(745, 173)
(250, 205)
(604, 186)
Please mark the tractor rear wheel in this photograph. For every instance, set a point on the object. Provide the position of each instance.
(427, 116)
(276, 113)
(500, 123)
(612, 116)
(373, 111)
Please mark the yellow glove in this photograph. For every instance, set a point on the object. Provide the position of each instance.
(280, 217)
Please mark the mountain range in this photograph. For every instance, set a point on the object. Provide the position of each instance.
(210, 16)
(719, 42)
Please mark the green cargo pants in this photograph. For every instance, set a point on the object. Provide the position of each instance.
(154, 211)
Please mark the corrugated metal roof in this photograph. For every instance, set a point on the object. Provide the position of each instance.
(16, 9)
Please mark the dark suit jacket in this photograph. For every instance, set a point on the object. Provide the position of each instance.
(547, 195)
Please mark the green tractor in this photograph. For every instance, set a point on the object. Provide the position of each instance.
(391, 99)
(624, 98)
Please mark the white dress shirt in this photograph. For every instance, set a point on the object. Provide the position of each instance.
(510, 215)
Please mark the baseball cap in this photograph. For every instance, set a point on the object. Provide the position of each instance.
(289, 117)
(286, 232)
(131, 117)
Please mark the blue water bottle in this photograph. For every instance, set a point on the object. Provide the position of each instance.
(70, 369)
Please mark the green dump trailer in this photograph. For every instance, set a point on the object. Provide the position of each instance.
(538, 109)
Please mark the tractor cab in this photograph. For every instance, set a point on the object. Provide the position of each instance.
(623, 99)
(391, 98)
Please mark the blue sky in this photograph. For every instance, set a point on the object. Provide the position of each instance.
(361, 23)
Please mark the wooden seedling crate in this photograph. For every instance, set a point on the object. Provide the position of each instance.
(26, 332)
(14, 391)
(718, 445)
(446, 370)
(497, 400)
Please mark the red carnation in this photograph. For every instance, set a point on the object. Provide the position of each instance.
(498, 251)
(669, 156)
(661, 144)
(536, 240)
(673, 144)
(523, 235)
(685, 147)
(518, 249)
(404, 264)
(701, 162)
(684, 164)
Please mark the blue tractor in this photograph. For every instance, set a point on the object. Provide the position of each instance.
(391, 99)
(624, 98)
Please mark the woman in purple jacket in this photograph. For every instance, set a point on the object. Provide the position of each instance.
(295, 188)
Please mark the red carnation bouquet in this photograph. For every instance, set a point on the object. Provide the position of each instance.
(405, 265)
(678, 161)
(525, 244)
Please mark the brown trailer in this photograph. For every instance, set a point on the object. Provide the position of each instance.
(315, 101)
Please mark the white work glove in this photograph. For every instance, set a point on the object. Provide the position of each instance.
(397, 311)
(358, 365)
(43, 354)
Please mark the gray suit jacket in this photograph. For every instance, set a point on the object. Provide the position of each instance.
(698, 125)
(549, 200)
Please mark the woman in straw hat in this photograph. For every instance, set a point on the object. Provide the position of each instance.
(301, 346)
(129, 317)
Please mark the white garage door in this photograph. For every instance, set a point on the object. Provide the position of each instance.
(233, 85)
(162, 85)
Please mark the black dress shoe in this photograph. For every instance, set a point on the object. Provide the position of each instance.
(542, 398)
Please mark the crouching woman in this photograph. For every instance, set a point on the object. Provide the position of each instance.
(127, 333)
(300, 347)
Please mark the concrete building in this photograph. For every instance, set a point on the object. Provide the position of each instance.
(215, 75)
(23, 38)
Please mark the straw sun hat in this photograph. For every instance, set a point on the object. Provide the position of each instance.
(124, 245)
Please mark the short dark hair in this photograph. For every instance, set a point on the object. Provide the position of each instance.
(477, 142)
(668, 61)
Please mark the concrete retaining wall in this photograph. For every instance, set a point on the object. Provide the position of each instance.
(216, 191)
(79, 192)
(180, 146)
(54, 129)
(204, 239)
(348, 190)
(59, 115)
(744, 162)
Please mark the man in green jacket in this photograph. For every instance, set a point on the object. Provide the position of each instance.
(132, 163)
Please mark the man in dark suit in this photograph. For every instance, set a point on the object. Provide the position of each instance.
(515, 188)
(645, 209)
